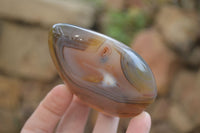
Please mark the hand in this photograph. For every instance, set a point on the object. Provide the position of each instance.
(63, 113)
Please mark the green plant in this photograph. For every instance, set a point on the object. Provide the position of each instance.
(123, 25)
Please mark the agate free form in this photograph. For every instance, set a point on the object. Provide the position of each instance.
(104, 73)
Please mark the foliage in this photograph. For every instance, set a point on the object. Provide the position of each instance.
(97, 3)
(123, 25)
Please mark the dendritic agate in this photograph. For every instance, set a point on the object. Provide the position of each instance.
(104, 73)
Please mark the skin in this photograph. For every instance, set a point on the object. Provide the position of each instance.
(61, 112)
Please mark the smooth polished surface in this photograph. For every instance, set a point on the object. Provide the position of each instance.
(104, 73)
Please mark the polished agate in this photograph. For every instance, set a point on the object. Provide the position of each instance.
(104, 73)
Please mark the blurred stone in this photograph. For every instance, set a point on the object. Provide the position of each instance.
(48, 12)
(186, 93)
(161, 60)
(32, 94)
(162, 127)
(198, 78)
(194, 57)
(115, 4)
(10, 121)
(188, 4)
(183, 85)
(180, 119)
(178, 27)
(195, 130)
(10, 93)
(134, 3)
(24, 52)
(160, 105)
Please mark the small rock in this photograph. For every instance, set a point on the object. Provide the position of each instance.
(186, 93)
(49, 12)
(195, 130)
(160, 110)
(10, 93)
(24, 52)
(161, 60)
(10, 121)
(135, 3)
(198, 78)
(180, 119)
(194, 57)
(32, 94)
(189, 4)
(162, 127)
(115, 4)
(178, 27)
(184, 83)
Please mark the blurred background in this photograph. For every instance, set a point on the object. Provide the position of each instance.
(166, 33)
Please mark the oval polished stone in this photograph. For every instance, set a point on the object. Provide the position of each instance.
(104, 73)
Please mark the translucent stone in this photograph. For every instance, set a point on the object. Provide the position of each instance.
(104, 73)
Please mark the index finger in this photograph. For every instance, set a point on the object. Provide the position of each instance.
(49, 111)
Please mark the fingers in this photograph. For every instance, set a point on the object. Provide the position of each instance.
(55, 104)
(74, 119)
(106, 124)
(49, 112)
(140, 124)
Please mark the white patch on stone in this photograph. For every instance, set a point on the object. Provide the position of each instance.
(76, 36)
(108, 80)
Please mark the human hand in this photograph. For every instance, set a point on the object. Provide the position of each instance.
(62, 112)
